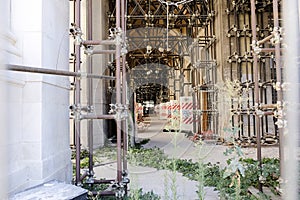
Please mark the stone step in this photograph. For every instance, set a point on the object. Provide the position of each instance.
(53, 190)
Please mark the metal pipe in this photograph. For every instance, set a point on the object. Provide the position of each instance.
(98, 42)
(268, 106)
(74, 78)
(267, 49)
(124, 87)
(77, 94)
(103, 193)
(256, 88)
(266, 39)
(90, 128)
(278, 77)
(20, 68)
(92, 116)
(118, 95)
(103, 52)
(84, 175)
(103, 181)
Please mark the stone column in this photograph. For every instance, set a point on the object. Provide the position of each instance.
(222, 51)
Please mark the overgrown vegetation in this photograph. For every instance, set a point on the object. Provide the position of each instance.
(213, 174)
(206, 174)
(136, 194)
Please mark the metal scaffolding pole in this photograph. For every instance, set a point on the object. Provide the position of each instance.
(279, 80)
(124, 86)
(20, 68)
(118, 93)
(90, 128)
(256, 89)
(77, 93)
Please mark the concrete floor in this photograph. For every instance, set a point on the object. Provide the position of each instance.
(178, 146)
(209, 151)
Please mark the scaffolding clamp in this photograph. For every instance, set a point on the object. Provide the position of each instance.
(76, 111)
(255, 47)
(88, 109)
(89, 50)
(281, 123)
(120, 111)
(90, 179)
(277, 86)
(276, 35)
(83, 75)
(77, 34)
(124, 49)
(125, 180)
(119, 190)
(116, 35)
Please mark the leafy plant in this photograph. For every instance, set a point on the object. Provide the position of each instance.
(213, 174)
(143, 196)
(147, 157)
(235, 168)
(83, 154)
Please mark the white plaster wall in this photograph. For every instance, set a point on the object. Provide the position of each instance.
(55, 91)
(38, 104)
(3, 133)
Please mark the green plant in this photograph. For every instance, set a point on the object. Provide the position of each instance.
(173, 176)
(166, 183)
(105, 153)
(147, 157)
(83, 154)
(140, 195)
(213, 174)
(94, 187)
(234, 168)
(200, 172)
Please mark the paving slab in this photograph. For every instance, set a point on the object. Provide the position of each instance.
(176, 144)
(160, 182)
(52, 190)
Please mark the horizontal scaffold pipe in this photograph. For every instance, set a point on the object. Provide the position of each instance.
(98, 117)
(99, 42)
(266, 39)
(20, 68)
(103, 51)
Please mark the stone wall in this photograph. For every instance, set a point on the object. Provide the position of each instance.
(38, 114)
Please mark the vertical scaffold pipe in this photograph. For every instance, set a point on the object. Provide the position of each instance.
(118, 94)
(90, 86)
(279, 79)
(77, 94)
(256, 89)
(124, 86)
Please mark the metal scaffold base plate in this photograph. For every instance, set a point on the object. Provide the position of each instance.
(52, 190)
